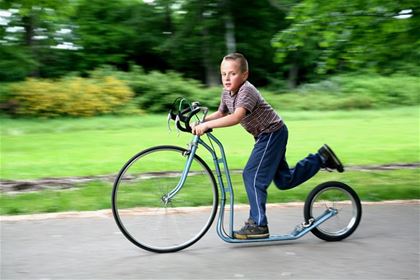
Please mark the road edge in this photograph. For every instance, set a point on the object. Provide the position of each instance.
(107, 213)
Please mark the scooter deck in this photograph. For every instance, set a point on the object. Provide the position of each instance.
(298, 232)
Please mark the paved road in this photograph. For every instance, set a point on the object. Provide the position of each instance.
(385, 246)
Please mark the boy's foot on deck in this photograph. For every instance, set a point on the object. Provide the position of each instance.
(251, 231)
(330, 160)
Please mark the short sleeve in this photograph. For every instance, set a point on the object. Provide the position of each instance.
(222, 106)
(247, 99)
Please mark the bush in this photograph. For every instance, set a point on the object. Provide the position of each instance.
(386, 91)
(110, 91)
(156, 91)
(350, 92)
(73, 96)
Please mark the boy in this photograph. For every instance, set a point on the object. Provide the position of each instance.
(242, 103)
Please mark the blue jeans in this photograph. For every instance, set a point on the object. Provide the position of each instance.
(267, 163)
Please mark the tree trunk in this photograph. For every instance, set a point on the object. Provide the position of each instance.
(168, 17)
(211, 73)
(29, 26)
(229, 28)
(293, 75)
(212, 78)
(230, 34)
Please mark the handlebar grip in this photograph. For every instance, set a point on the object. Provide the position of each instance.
(186, 119)
(185, 116)
(180, 127)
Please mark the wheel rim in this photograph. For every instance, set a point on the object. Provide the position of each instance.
(143, 215)
(345, 205)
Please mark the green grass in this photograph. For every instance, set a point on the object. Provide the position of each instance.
(39, 148)
(371, 186)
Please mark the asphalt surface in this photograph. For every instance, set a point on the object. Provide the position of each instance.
(385, 246)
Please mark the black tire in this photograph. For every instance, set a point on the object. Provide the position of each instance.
(138, 204)
(340, 197)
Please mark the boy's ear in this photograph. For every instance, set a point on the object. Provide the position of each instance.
(245, 75)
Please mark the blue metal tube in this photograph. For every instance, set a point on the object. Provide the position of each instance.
(220, 226)
(298, 232)
(229, 187)
(194, 146)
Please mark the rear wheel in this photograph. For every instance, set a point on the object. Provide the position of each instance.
(344, 200)
(149, 220)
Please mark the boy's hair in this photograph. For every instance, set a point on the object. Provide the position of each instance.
(243, 63)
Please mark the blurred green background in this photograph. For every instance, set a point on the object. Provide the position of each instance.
(85, 84)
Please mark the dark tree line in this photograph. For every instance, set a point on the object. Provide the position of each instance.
(289, 40)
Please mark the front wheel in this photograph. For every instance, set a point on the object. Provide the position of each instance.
(343, 199)
(144, 213)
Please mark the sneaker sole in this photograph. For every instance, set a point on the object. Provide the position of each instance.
(250, 236)
(337, 162)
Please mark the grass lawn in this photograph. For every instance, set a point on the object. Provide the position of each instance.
(371, 186)
(40, 148)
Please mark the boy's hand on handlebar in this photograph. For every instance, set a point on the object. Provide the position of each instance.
(194, 124)
(199, 129)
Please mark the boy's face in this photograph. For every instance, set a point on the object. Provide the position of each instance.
(232, 77)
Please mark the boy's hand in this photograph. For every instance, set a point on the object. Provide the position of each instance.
(193, 125)
(199, 129)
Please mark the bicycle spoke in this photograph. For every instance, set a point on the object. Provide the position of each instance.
(138, 200)
(344, 200)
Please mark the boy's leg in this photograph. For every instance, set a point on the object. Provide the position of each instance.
(286, 178)
(267, 163)
(259, 171)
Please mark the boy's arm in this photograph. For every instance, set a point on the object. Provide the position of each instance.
(222, 121)
(214, 116)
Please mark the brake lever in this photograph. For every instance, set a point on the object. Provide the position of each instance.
(169, 122)
(176, 125)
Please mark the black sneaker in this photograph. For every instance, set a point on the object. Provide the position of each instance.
(331, 161)
(251, 231)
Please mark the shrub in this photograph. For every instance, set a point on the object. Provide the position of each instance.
(73, 96)
(351, 92)
(155, 91)
(7, 104)
(110, 91)
(386, 91)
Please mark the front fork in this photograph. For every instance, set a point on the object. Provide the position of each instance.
(190, 153)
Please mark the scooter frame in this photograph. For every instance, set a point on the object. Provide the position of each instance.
(226, 190)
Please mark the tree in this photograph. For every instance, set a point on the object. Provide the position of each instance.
(188, 36)
(256, 23)
(207, 30)
(337, 36)
(197, 41)
(29, 33)
(103, 33)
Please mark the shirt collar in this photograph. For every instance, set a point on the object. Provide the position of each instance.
(235, 93)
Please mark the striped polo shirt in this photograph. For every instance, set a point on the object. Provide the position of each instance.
(260, 117)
